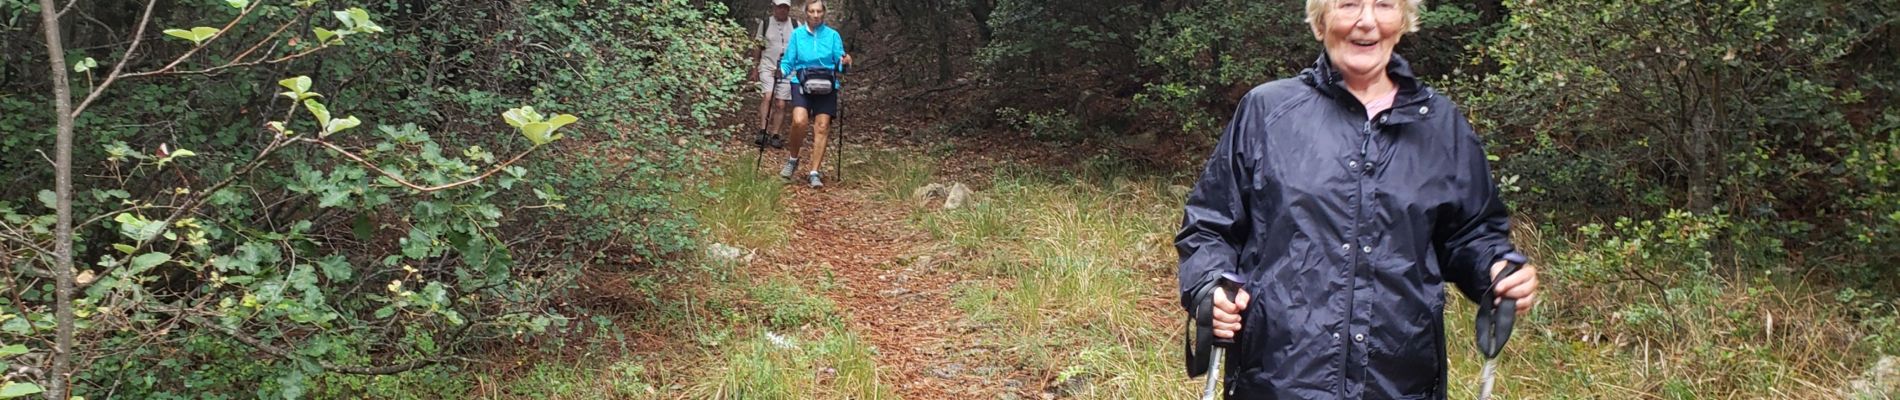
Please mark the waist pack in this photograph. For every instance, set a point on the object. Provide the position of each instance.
(817, 82)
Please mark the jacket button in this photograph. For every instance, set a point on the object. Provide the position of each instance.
(1352, 164)
(1335, 335)
(1359, 337)
(1348, 247)
(1367, 249)
(1422, 110)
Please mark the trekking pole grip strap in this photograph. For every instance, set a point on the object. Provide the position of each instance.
(1495, 321)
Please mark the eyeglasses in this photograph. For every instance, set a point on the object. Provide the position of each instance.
(1384, 10)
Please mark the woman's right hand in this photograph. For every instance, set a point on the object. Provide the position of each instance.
(1227, 313)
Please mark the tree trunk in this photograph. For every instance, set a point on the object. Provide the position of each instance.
(980, 12)
(943, 57)
(60, 376)
(864, 11)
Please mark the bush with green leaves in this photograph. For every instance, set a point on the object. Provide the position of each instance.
(388, 208)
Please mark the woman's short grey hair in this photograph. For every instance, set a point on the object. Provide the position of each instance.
(1316, 12)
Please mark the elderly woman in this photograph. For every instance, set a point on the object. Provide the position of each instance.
(816, 47)
(1344, 199)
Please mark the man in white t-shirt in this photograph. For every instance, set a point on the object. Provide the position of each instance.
(773, 32)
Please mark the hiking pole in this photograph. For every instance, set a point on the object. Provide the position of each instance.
(1215, 371)
(838, 160)
(1494, 323)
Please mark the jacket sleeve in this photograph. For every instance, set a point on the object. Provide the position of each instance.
(1215, 223)
(1478, 231)
(837, 50)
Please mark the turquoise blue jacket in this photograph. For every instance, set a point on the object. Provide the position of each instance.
(811, 46)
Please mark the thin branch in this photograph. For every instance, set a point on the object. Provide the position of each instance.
(230, 65)
(267, 39)
(405, 182)
(137, 36)
(23, 241)
(168, 67)
(207, 42)
(97, 218)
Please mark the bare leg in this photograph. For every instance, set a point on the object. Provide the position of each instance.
(796, 139)
(778, 118)
(818, 142)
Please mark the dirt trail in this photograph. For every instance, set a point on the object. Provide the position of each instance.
(903, 309)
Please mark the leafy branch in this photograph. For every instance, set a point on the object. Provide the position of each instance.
(355, 20)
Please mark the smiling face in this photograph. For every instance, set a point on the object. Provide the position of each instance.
(1359, 34)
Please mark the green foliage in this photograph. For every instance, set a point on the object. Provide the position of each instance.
(1680, 241)
(8, 388)
(1056, 125)
(372, 224)
(1208, 53)
(789, 306)
(1873, 199)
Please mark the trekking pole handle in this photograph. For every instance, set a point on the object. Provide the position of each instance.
(1495, 322)
(1230, 284)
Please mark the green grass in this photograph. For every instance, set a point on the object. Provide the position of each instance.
(787, 305)
(893, 174)
(1071, 258)
(618, 380)
(741, 205)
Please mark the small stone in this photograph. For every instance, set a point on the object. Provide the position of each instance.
(723, 252)
(893, 292)
(1072, 387)
(950, 371)
(1880, 381)
(959, 194)
(930, 190)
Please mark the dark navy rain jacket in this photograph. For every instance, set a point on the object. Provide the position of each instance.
(1346, 231)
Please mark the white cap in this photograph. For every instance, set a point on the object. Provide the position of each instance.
(787, 3)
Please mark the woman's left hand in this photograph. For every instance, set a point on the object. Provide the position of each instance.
(1521, 285)
(847, 59)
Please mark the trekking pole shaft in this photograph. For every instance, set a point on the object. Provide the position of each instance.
(1490, 375)
(1216, 372)
(1212, 390)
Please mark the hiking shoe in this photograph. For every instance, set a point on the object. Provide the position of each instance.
(791, 165)
(815, 182)
(772, 140)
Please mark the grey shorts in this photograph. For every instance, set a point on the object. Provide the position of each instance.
(769, 82)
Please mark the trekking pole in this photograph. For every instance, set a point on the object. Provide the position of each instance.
(838, 161)
(1494, 323)
(1215, 371)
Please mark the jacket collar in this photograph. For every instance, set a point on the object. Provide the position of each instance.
(1410, 105)
(815, 30)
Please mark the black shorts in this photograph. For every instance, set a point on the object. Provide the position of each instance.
(816, 104)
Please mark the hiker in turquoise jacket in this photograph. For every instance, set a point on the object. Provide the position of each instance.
(814, 47)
